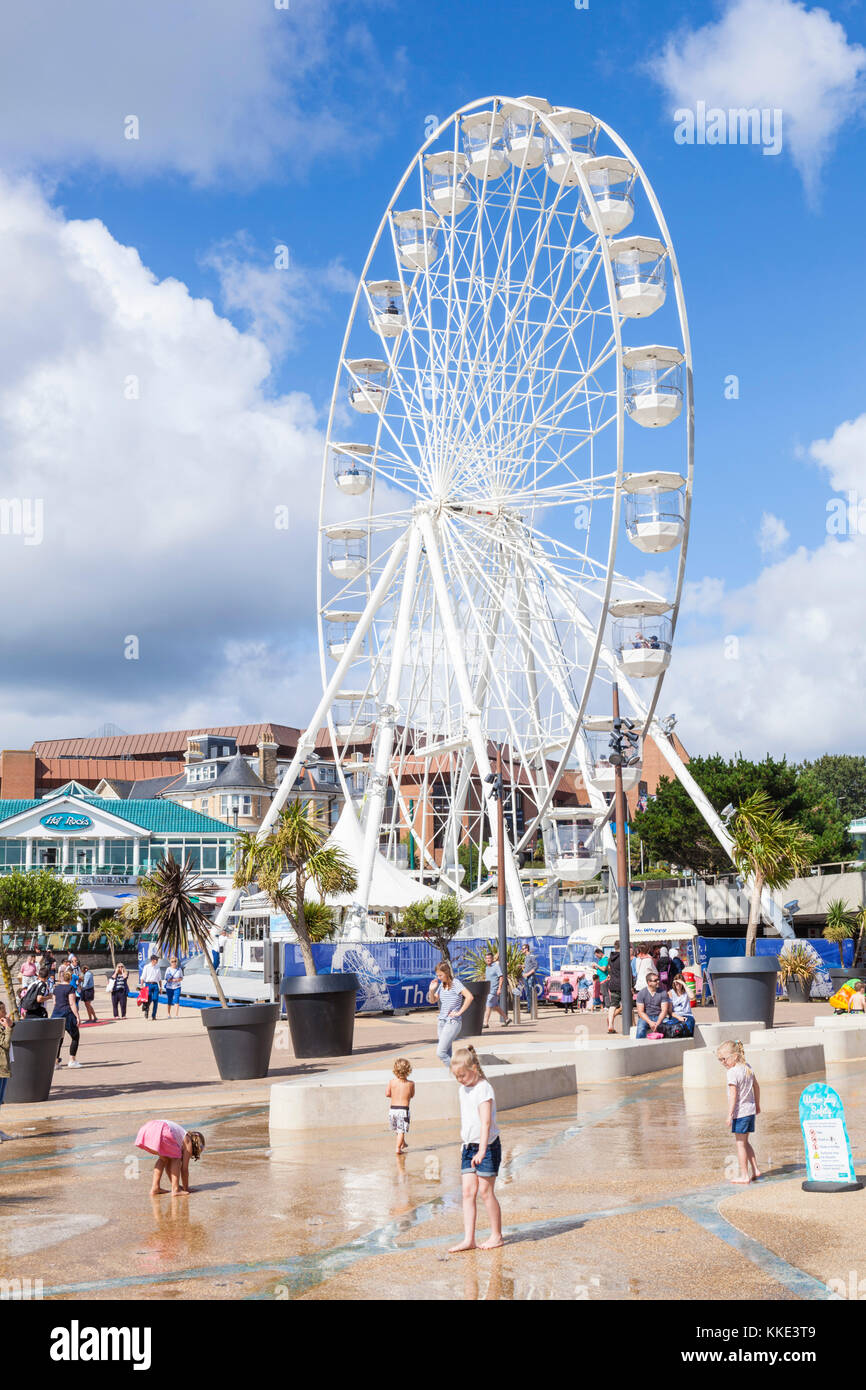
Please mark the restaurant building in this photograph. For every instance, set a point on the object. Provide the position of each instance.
(109, 845)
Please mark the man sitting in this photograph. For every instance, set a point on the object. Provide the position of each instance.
(653, 1006)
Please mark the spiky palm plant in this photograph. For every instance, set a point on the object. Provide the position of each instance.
(477, 964)
(165, 907)
(767, 849)
(283, 863)
(115, 931)
(840, 925)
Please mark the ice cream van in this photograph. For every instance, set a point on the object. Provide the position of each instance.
(578, 962)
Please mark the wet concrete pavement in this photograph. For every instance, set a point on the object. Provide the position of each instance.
(621, 1192)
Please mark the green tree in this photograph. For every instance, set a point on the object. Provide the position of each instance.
(292, 856)
(165, 908)
(469, 856)
(29, 900)
(673, 831)
(437, 920)
(843, 777)
(768, 849)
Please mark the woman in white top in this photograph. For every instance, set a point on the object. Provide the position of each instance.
(481, 1155)
(682, 1004)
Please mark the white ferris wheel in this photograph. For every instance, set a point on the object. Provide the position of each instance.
(504, 425)
(509, 444)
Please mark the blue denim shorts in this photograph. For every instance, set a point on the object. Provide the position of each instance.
(489, 1165)
(744, 1125)
(172, 996)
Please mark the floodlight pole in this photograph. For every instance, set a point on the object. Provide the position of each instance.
(500, 883)
(622, 886)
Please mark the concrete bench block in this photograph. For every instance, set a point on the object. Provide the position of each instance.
(839, 1044)
(776, 1062)
(840, 1021)
(351, 1099)
(772, 1061)
(714, 1034)
(606, 1059)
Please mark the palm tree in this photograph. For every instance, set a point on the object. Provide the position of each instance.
(290, 857)
(840, 924)
(767, 849)
(860, 919)
(115, 931)
(165, 907)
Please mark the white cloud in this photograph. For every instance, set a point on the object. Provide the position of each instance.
(220, 88)
(773, 534)
(275, 295)
(775, 54)
(159, 508)
(781, 665)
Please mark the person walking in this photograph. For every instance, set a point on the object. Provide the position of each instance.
(495, 980)
(151, 979)
(86, 992)
(66, 1007)
(399, 1091)
(530, 968)
(119, 990)
(481, 1154)
(454, 999)
(173, 981)
(744, 1104)
(614, 989)
(566, 990)
(35, 997)
(6, 1026)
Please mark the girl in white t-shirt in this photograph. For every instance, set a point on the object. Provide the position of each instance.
(744, 1103)
(481, 1155)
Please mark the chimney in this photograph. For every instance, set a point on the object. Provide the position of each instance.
(18, 774)
(267, 762)
(194, 752)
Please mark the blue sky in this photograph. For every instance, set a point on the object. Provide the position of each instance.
(232, 99)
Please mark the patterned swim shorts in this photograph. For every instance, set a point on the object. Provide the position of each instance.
(398, 1119)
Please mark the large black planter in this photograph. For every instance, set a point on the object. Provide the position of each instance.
(840, 976)
(472, 1022)
(34, 1052)
(241, 1037)
(744, 988)
(798, 992)
(321, 1013)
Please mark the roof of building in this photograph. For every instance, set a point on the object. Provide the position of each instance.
(87, 770)
(163, 817)
(169, 744)
(145, 788)
(236, 775)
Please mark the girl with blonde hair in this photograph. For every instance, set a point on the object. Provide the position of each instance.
(744, 1103)
(453, 999)
(481, 1155)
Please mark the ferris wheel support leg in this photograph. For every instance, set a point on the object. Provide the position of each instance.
(770, 910)
(472, 714)
(308, 737)
(385, 732)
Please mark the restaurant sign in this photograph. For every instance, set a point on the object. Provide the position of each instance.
(65, 820)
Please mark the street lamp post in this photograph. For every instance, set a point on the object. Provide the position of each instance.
(623, 743)
(495, 779)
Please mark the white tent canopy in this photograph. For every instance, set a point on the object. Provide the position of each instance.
(391, 890)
